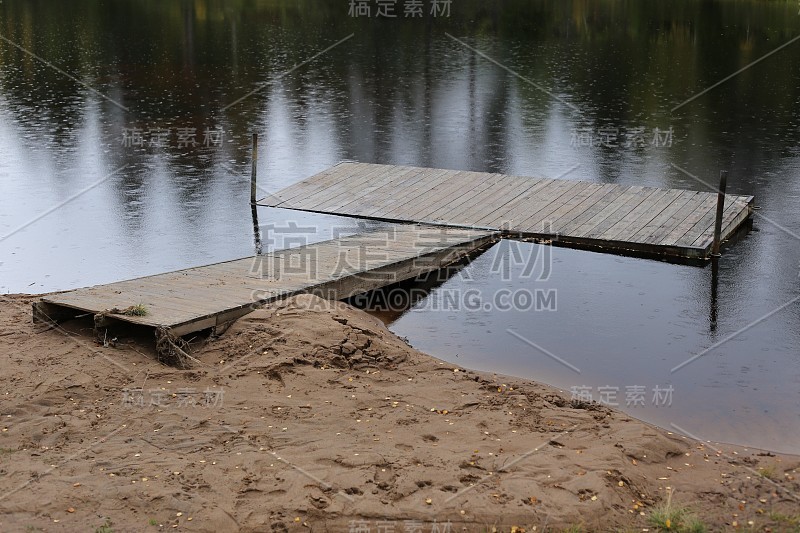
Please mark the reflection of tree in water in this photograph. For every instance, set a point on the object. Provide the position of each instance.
(399, 91)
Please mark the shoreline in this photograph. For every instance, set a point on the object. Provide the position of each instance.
(312, 414)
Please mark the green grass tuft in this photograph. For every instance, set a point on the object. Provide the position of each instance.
(767, 472)
(667, 517)
(136, 310)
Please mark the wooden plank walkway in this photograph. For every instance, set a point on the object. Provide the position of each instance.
(620, 218)
(208, 296)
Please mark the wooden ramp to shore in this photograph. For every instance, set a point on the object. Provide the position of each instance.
(204, 297)
(620, 218)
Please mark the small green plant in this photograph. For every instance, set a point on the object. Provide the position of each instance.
(136, 310)
(153, 522)
(105, 528)
(792, 521)
(666, 517)
(767, 472)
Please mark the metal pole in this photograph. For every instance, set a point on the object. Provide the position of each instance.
(723, 183)
(253, 171)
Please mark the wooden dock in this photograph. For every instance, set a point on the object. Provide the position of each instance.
(624, 219)
(209, 296)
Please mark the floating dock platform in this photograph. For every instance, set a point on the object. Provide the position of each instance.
(624, 219)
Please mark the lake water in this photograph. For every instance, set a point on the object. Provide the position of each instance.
(125, 132)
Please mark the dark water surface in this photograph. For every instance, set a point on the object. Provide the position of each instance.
(101, 181)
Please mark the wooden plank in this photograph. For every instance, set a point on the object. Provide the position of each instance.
(467, 199)
(410, 192)
(634, 218)
(614, 217)
(316, 183)
(734, 224)
(187, 299)
(322, 184)
(574, 205)
(435, 197)
(708, 203)
(599, 201)
(157, 310)
(679, 199)
(534, 219)
(731, 212)
(615, 210)
(415, 195)
(500, 214)
(675, 218)
(316, 200)
(701, 226)
(447, 193)
(623, 208)
(505, 189)
(521, 207)
(361, 188)
(374, 193)
(648, 213)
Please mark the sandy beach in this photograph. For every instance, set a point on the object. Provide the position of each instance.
(313, 416)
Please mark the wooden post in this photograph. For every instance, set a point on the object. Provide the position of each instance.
(723, 183)
(253, 171)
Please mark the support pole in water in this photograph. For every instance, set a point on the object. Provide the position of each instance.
(723, 183)
(253, 171)
(714, 284)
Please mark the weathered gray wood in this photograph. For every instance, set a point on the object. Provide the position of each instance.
(734, 214)
(659, 222)
(567, 204)
(343, 187)
(505, 190)
(305, 188)
(541, 199)
(415, 195)
(608, 215)
(357, 195)
(675, 218)
(414, 189)
(731, 224)
(432, 200)
(590, 208)
(640, 213)
(650, 210)
(535, 219)
(200, 296)
(701, 226)
(708, 202)
(500, 214)
(472, 198)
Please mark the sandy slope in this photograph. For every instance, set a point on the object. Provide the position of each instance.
(314, 416)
